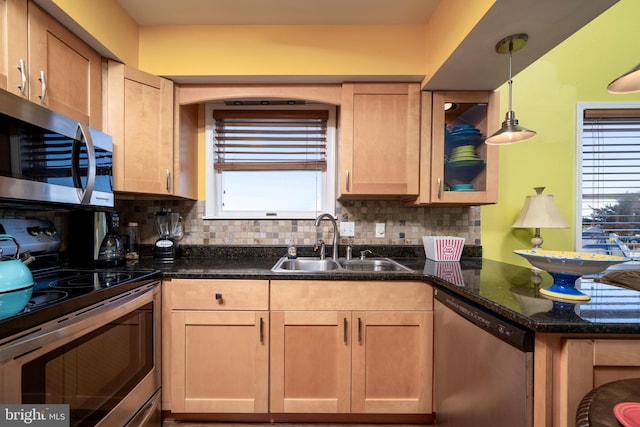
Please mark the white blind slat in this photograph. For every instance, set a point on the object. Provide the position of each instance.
(278, 140)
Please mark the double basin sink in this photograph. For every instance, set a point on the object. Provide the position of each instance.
(317, 265)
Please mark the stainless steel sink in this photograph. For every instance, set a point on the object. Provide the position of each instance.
(306, 265)
(317, 265)
(373, 264)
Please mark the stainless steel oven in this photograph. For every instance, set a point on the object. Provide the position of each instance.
(102, 360)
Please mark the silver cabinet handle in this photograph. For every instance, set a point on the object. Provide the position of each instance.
(23, 77)
(348, 181)
(168, 181)
(439, 189)
(43, 81)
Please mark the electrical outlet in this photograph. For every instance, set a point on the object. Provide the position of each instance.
(347, 229)
(380, 229)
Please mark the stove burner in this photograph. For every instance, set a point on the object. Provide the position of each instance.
(55, 280)
(99, 280)
(45, 297)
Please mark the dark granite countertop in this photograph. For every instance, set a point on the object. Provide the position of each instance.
(504, 289)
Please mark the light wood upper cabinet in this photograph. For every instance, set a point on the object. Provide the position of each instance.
(351, 347)
(14, 53)
(379, 144)
(440, 168)
(48, 64)
(139, 117)
(219, 346)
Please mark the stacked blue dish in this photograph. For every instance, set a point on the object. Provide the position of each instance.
(464, 134)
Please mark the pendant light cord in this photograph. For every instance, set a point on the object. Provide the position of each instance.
(510, 78)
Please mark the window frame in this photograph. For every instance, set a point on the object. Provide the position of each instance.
(580, 109)
(213, 185)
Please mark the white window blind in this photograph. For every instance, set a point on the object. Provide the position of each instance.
(270, 139)
(610, 180)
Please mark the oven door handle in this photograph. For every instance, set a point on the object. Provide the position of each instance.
(81, 323)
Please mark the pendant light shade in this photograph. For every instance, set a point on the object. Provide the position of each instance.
(629, 82)
(510, 132)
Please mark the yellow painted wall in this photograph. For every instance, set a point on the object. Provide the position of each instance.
(310, 50)
(545, 96)
(107, 21)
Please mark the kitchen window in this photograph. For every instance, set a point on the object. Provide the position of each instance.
(270, 161)
(608, 178)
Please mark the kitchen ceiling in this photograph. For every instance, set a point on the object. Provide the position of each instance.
(472, 65)
(279, 12)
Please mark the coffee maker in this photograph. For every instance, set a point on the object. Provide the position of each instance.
(169, 227)
(111, 251)
(94, 239)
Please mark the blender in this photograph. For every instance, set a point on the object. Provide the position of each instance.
(169, 227)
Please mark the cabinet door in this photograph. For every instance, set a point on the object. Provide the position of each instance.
(479, 167)
(585, 364)
(219, 361)
(379, 154)
(13, 47)
(310, 362)
(64, 72)
(392, 362)
(140, 120)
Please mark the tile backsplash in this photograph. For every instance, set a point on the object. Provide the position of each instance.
(403, 225)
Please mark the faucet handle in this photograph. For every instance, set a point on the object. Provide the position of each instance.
(364, 253)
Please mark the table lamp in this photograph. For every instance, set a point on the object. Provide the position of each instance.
(539, 211)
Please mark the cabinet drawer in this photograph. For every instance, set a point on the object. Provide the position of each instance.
(204, 294)
(350, 295)
(616, 353)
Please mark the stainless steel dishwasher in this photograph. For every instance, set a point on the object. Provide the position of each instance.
(483, 367)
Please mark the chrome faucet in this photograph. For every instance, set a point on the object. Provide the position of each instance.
(335, 232)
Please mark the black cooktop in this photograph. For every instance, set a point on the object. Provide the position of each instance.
(63, 291)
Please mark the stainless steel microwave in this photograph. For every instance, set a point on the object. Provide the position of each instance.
(46, 157)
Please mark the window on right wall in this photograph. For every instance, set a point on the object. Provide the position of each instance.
(608, 178)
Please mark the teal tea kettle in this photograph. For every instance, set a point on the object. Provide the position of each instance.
(16, 282)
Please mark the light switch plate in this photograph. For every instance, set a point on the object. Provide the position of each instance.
(380, 229)
(347, 229)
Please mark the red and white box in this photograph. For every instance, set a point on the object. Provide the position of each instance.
(443, 248)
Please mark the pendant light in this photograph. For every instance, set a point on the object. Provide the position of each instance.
(629, 82)
(510, 132)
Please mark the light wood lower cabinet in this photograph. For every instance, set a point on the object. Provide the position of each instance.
(311, 357)
(391, 365)
(567, 368)
(351, 347)
(334, 347)
(219, 346)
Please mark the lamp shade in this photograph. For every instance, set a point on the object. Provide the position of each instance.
(629, 82)
(510, 132)
(540, 211)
